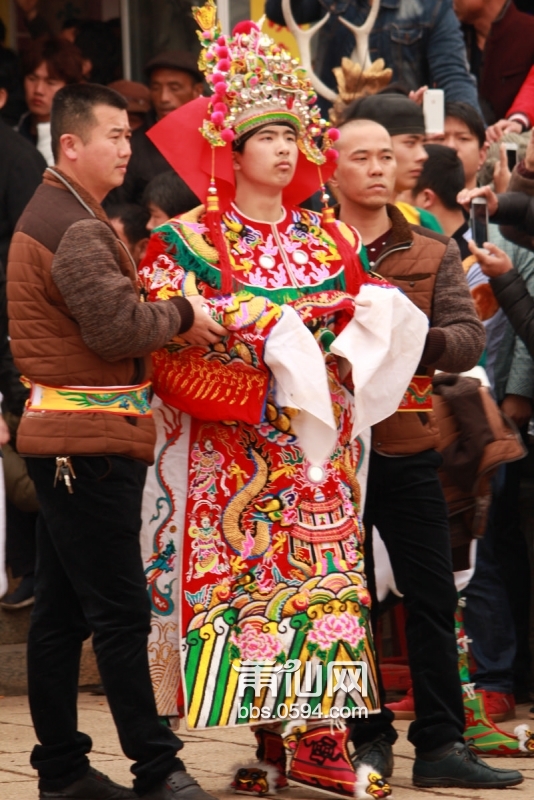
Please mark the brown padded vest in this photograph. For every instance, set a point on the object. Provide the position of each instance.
(410, 262)
(46, 341)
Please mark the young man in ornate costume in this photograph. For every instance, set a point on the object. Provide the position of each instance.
(256, 481)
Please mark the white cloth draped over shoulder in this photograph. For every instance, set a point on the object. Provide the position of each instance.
(381, 345)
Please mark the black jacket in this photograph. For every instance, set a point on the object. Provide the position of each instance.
(516, 209)
(21, 172)
(513, 296)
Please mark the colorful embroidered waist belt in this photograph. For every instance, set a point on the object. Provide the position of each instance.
(418, 395)
(130, 401)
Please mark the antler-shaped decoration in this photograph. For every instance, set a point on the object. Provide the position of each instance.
(360, 54)
(303, 39)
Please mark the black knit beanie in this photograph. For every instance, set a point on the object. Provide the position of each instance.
(397, 113)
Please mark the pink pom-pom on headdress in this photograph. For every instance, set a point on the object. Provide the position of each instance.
(245, 27)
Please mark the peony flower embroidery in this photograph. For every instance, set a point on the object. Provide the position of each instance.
(331, 629)
(256, 645)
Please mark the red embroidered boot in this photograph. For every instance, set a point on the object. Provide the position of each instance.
(271, 750)
(321, 761)
(268, 775)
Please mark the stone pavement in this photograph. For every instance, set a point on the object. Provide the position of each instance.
(209, 756)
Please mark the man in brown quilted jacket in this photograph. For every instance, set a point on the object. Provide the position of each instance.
(404, 496)
(82, 339)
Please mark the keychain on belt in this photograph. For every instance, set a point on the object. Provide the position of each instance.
(64, 472)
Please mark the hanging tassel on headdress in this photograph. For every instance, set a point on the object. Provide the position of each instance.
(214, 223)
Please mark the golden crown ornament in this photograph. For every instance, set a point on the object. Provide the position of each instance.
(255, 82)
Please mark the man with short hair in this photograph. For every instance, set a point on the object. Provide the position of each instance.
(404, 121)
(83, 340)
(173, 80)
(465, 133)
(437, 187)
(404, 496)
(49, 65)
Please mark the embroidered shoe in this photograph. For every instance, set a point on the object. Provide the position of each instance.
(268, 775)
(459, 766)
(321, 761)
(93, 786)
(271, 750)
(500, 706)
(258, 780)
(484, 737)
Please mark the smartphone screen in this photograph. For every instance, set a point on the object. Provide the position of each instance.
(511, 154)
(434, 110)
(479, 221)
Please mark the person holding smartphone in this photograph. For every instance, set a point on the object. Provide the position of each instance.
(514, 210)
(508, 285)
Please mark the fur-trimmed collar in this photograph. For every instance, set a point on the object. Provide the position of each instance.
(401, 231)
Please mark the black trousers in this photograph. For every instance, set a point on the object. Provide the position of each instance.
(20, 540)
(405, 502)
(512, 554)
(89, 579)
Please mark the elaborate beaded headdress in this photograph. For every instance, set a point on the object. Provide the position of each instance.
(255, 82)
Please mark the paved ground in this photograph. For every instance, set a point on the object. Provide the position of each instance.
(209, 756)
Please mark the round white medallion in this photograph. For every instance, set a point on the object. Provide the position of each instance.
(267, 262)
(300, 257)
(316, 474)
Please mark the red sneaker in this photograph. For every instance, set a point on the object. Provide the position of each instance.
(500, 706)
(405, 708)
